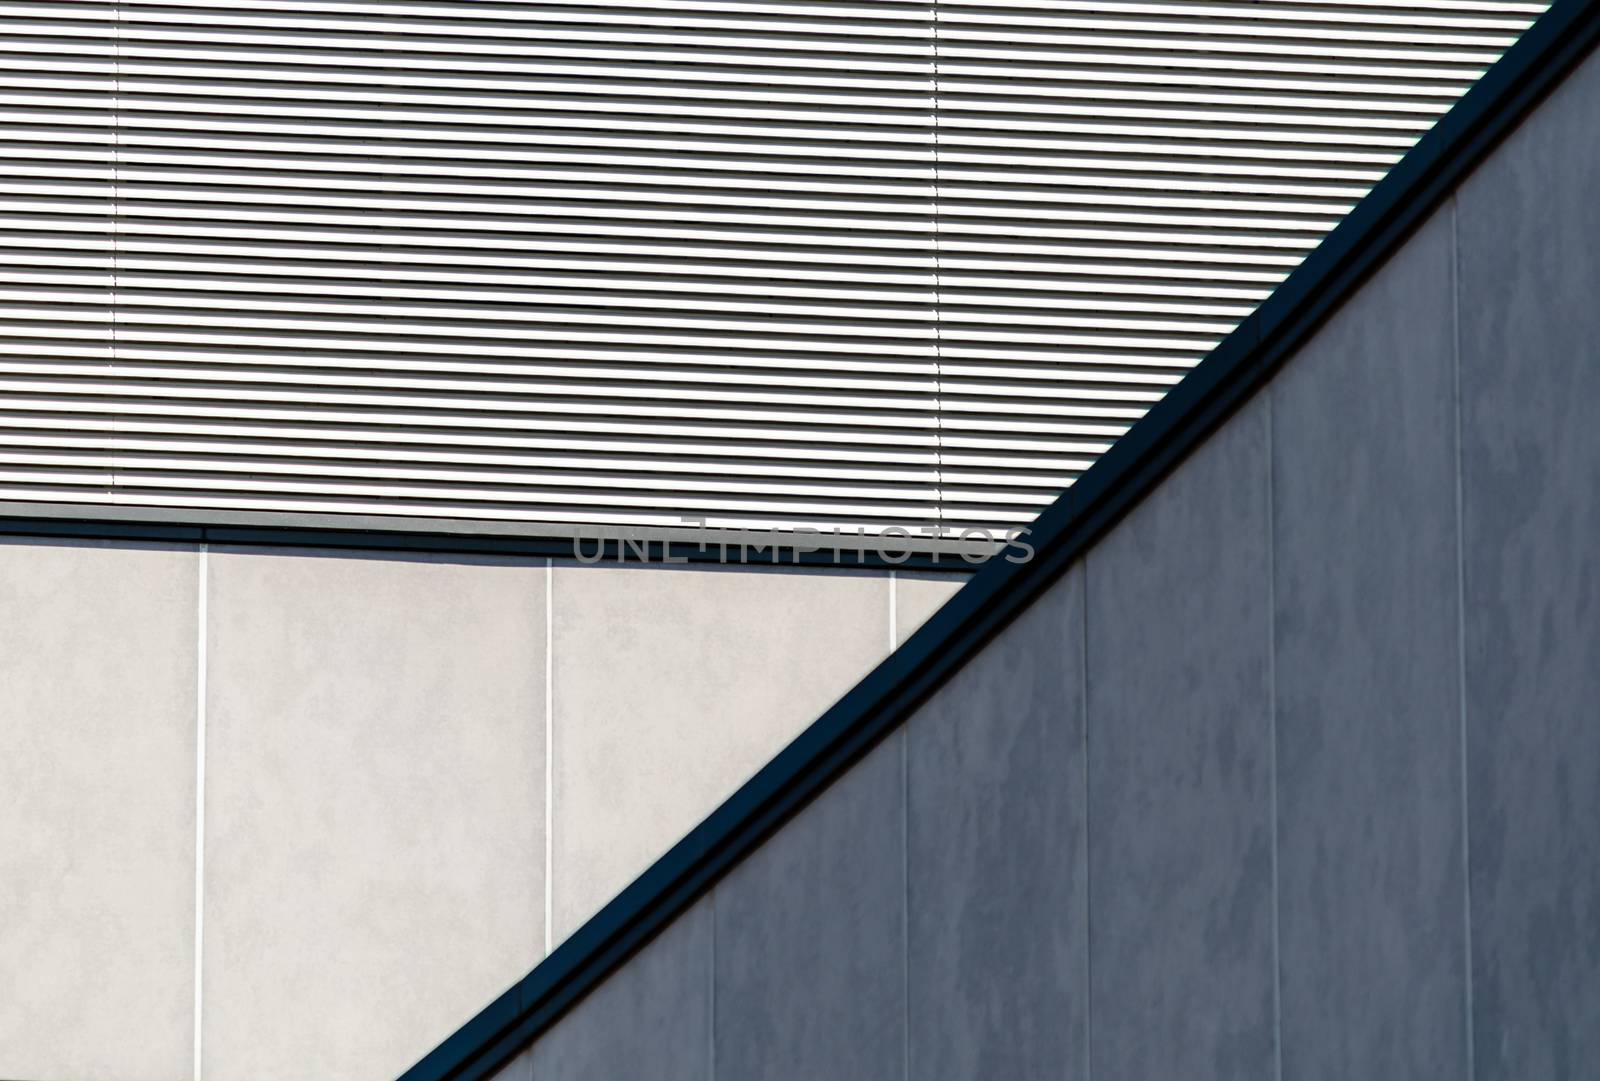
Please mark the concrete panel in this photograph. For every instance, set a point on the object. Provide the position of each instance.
(374, 797)
(1180, 842)
(810, 938)
(998, 961)
(1529, 236)
(652, 1019)
(671, 687)
(97, 768)
(1371, 884)
(918, 596)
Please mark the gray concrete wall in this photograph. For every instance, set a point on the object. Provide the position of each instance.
(373, 738)
(1296, 775)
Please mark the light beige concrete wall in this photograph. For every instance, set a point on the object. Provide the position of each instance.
(97, 811)
(374, 746)
(381, 853)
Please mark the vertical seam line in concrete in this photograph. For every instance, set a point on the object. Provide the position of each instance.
(1272, 739)
(905, 900)
(1461, 638)
(1088, 938)
(201, 619)
(711, 1006)
(549, 751)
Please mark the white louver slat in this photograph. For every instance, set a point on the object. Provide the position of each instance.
(769, 264)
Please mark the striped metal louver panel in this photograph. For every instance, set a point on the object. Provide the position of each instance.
(1119, 183)
(764, 263)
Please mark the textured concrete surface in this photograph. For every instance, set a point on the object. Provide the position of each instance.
(376, 769)
(1529, 234)
(97, 769)
(1180, 837)
(1371, 921)
(810, 938)
(671, 687)
(656, 1024)
(374, 835)
(998, 961)
(918, 596)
